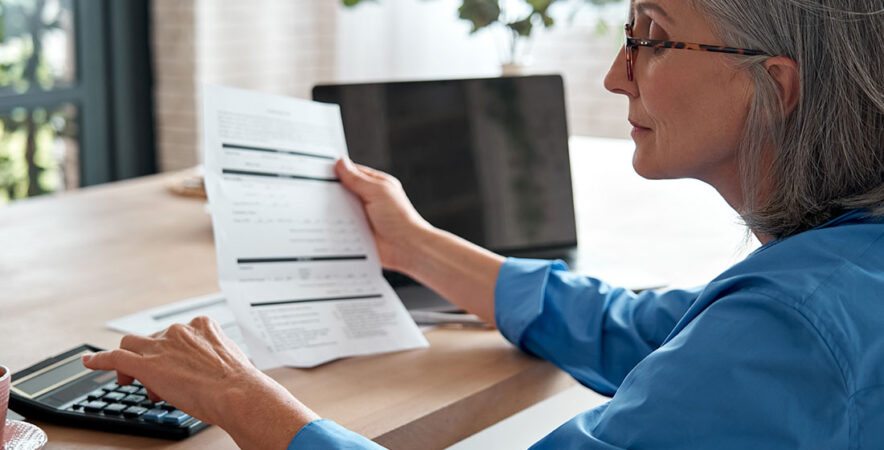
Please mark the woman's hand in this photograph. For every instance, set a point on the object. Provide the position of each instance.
(200, 371)
(461, 272)
(396, 225)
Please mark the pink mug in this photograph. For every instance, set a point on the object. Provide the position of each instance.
(4, 399)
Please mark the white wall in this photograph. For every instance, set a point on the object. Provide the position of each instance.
(287, 46)
(424, 39)
(410, 39)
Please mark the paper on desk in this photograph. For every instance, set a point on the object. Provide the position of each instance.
(151, 320)
(296, 258)
(156, 319)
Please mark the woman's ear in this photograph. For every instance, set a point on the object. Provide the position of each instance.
(785, 72)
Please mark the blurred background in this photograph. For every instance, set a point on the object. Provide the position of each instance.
(93, 91)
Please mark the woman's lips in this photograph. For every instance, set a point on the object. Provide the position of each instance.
(636, 125)
(637, 129)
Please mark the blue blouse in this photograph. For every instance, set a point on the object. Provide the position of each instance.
(783, 350)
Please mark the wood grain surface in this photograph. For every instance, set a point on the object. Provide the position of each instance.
(71, 262)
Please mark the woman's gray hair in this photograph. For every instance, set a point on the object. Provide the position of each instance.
(828, 154)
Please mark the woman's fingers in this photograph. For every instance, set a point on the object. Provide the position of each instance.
(120, 360)
(153, 397)
(373, 173)
(209, 329)
(202, 323)
(186, 365)
(350, 177)
(137, 344)
(125, 360)
(357, 181)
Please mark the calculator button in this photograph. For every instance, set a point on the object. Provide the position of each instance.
(134, 411)
(77, 406)
(155, 414)
(95, 395)
(133, 399)
(128, 389)
(136, 383)
(113, 396)
(94, 406)
(146, 403)
(141, 391)
(165, 406)
(114, 409)
(175, 417)
(112, 386)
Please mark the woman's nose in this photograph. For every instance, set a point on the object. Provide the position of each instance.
(616, 80)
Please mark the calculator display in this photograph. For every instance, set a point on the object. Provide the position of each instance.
(51, 377)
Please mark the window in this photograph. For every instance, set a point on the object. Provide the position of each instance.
(75, 94)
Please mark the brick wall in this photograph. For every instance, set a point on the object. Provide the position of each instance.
(277, 46)
(174, 59)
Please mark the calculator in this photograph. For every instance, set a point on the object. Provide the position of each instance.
(63, 391)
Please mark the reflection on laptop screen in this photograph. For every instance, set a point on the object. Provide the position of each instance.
(486, 159)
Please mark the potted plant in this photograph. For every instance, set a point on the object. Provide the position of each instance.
(516, 17)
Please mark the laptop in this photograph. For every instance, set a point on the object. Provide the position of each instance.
(486, 159)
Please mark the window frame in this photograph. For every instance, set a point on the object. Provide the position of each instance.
(112, 91)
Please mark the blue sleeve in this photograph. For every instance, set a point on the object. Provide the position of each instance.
(749, 372)
(324, 433)
(595, 332)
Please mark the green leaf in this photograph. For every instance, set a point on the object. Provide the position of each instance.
(540, 5)
(480, 13)
(540, 9)
(352, 2)
(522, 27)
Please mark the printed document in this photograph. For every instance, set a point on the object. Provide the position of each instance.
(152, 320)
(296, 258)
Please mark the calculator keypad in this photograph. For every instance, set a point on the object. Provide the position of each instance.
(130, 402)
(133, 399)
(134, 411)
(114, 409)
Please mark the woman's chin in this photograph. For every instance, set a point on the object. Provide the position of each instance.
(646, 168)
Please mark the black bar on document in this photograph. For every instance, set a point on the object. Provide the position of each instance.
(276, 150)
(309, 300)
(276, 175)
(299, 259)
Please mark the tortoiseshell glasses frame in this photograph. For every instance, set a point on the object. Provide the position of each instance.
(633, 43)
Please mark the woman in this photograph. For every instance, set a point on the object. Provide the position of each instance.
(783, 350)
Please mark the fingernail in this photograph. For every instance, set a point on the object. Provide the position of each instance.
(87, 357)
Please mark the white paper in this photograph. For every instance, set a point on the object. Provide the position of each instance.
(156, 319)
(296, 258)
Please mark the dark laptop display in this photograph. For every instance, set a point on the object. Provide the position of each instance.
(486, 159)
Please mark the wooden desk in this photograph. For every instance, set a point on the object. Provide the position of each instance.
(68, 264)
(72, 262)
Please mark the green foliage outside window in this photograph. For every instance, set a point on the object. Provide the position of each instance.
(34, 141)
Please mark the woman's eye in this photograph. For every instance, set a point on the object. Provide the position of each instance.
(655, 32)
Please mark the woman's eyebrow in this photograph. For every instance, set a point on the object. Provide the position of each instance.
(643, 7)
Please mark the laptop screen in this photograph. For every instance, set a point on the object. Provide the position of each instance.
(486, 159)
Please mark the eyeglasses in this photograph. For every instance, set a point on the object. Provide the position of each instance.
(633, 43)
